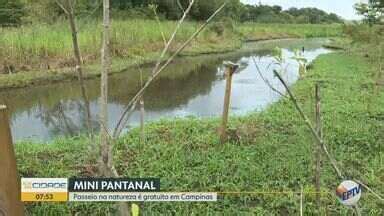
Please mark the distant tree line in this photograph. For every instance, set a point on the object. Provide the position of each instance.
(172, 9)
(275, 14)
(15, 12)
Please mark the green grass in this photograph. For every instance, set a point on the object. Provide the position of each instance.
(267, 151)
(43, 53)
(55, 40)
(42, 46)
(29, 45)
(44, 160)
(259, 31)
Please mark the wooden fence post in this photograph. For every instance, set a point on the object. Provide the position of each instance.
(230, 70)
(10, 202)
(318, 147)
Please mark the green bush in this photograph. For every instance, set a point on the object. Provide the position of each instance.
(363, 33)
(225, 24)
(11, 12)
(134, 13)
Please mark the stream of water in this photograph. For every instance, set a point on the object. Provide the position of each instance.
(191, 86)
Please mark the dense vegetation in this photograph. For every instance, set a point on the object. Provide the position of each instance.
(11, 12)
(16, 12)
(42, 40)
(39, 53)
(275, 14)
(373, 11)
(269, 151)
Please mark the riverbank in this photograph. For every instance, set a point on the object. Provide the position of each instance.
(35, 55)
(267, 151)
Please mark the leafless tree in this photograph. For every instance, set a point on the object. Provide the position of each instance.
(68, 7)
(106, 140)
(105, 147)
(159, 68)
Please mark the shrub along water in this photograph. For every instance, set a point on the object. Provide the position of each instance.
(49, 46)
(41, 53)
(42, 46)
(254, 31)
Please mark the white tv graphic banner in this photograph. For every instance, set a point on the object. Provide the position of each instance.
(44, 189)
(104, 190)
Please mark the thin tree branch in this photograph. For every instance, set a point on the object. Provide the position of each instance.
(319, 140)
(104, 128)
(95, 9)
(370, 190)
(90, 14)
(132, 104)
(265, 80)
(167, 46)
(62, 7)
(119, 126)
(180, 6)
(160, 26)
(71, 5)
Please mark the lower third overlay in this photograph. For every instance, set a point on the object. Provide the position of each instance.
(104, 190)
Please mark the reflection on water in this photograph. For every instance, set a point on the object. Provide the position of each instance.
(191, 86)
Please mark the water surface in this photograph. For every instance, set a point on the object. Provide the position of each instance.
(192, 86)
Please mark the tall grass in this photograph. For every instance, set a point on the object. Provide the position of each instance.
(268, 151)
(29, 44)
(297, 30)
(46, 46)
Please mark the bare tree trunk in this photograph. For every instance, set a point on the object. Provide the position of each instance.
(68, 9)
(79, 69)
(106, 144)
(105, 147)
(107, 167)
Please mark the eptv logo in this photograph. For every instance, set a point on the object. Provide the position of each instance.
(349, 193)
